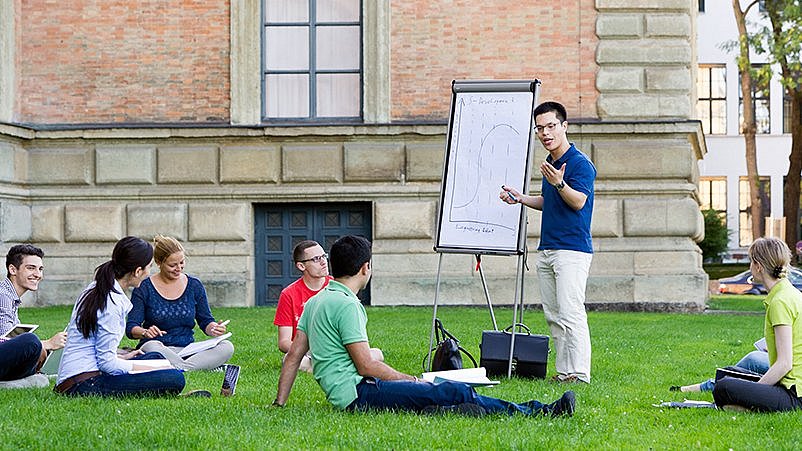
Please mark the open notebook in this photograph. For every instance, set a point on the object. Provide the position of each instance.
(198, 346)
(475, 377)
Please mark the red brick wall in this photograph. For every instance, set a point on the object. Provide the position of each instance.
(433, 43)
(123, 61)
(95, 61)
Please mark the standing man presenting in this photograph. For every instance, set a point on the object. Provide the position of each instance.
(566, 249)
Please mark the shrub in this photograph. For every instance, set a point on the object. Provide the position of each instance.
(716, 235)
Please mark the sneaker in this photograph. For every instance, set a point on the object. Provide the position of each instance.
(567, 379)
(674, 388)
(197, 394)
(468, 409)
(230, 380)
(564, 406)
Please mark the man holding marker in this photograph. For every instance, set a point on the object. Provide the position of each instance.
(566, 249)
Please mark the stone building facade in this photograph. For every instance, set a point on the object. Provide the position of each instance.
(135, 120)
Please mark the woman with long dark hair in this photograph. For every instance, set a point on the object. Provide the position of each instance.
(90, 364)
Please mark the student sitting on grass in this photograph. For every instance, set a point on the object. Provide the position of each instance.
(777, 389)
(333, 328)
(90, 364)
(23, 355)
(311, 260)
(166, 307)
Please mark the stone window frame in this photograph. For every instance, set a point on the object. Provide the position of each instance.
(245, 67)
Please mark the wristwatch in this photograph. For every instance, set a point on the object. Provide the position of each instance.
(560, 185)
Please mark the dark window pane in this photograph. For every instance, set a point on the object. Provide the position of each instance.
(274, 219)
(298, 219)
(273, 292)
(331, 219)
(274, 244)
(274, 268)
(356, 219)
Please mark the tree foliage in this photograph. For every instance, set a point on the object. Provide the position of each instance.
(716, 236)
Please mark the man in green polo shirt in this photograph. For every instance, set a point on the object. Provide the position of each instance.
(333, 328)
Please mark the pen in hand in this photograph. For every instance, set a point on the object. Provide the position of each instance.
(509, 193)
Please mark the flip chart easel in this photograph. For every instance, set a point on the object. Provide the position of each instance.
(489, 144)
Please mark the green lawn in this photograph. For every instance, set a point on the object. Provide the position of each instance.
(636, 357)
(737, 302)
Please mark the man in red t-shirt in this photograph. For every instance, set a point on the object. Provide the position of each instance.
(312, 261)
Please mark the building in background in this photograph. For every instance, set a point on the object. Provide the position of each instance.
(723, 183)
(242, 126)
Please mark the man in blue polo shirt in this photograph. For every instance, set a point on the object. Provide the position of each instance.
(566, 249)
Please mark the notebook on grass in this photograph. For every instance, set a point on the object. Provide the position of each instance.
(475, 377)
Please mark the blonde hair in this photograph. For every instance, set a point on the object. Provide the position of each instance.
(165, 246)
(772, 254)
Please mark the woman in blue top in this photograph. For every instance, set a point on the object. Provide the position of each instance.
(166, 307)
(90, 364)
(780, 387)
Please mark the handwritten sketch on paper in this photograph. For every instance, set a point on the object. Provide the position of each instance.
(488, 147)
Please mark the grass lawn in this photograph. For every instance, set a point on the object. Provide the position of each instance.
(737, 302)
(636, 357)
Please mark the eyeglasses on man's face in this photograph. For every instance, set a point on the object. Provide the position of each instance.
(550, 127)
(317, 258)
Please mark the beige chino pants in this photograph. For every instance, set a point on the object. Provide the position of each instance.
(563, 277)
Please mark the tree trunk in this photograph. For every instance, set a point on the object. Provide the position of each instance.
(748, 127)
(793, 178)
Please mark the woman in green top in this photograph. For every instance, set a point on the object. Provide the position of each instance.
(777, 389)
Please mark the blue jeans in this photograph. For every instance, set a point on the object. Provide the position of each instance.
(375, 393)
(755, 361)
(160, 382)
(19, 356)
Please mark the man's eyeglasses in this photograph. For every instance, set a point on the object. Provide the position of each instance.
(550, 127)
(316, 259)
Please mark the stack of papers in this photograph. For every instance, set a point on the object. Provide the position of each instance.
(475, 377)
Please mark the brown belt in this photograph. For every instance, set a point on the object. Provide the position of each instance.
(70, 382)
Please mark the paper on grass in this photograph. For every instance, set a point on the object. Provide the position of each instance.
(688, 403)
(198, 346)
(475, 377)
(151, 365)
